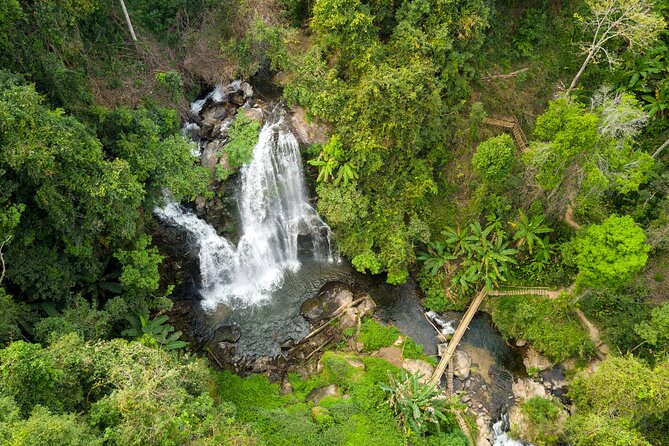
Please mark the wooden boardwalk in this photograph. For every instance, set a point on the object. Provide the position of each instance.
(457, 336)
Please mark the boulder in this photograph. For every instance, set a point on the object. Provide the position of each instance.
(308, 132)
(524, 388)
(253, 113)
(462, 365)
(209, 157)
(331, 297)
(319, 393)
(418, 365)
(535, 360)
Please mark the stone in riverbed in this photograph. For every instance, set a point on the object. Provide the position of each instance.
(462, 364)
(329, 299)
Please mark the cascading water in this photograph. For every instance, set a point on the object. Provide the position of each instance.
(274, 213)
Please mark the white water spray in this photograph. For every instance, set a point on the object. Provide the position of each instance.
(274, 212)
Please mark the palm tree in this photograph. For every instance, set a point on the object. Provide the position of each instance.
(528, 230)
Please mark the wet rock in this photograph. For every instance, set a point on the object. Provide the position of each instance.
(521, 343)
(534, 360)
(331, 297)
(227, 333)
(462, 364)
(349, 319)
(209, 157)
(391, 354)
(424, 369)
(441, 348)
(366, 307)
(318, 394)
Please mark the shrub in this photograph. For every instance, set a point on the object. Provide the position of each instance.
(547, 324)
(494, 158)
(242, 138)
(418, 406)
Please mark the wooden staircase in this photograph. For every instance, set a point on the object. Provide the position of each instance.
(516, 130)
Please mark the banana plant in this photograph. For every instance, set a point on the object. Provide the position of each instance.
(528, 230)
(436, 258)
(156, 329)
(418, 406)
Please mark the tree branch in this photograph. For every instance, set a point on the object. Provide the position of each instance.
(661, 148)
(2, 259)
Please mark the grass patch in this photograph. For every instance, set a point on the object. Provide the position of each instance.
(375, 335)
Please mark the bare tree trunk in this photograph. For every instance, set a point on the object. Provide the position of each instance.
(661, 148)
(2, 260)
(127, 20)
(580, 72)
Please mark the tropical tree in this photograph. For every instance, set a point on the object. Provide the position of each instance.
(632, 24)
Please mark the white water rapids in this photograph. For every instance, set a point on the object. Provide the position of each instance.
(274, 211)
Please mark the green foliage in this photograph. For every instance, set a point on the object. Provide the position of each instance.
(155, 331)
(569, 136)
(622, 392)
(125, 394)
(12, 316)
(82, 318)
(140, 267)
(544, 425)
(494, 158)
(384, 75)
(45, 428)
(172, 82)
(616, 313)
(656, 330)
(610, 254)
(375, 335)
(547, 324)
(595, 430)
(528, 231)
(418, 406)
(160, 157)
(242, 138)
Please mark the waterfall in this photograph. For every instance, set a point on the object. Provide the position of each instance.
(274, 212)
(500, 436)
